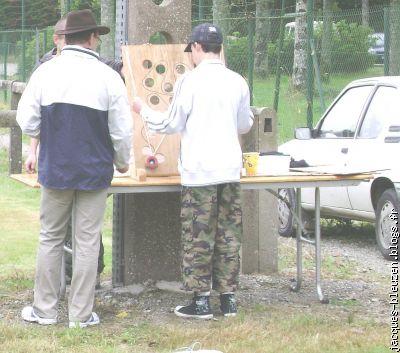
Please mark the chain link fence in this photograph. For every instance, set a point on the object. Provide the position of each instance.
(345, 46)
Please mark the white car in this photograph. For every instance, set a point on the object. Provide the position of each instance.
(360, 131)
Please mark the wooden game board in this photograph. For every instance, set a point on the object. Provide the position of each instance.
(150, 72)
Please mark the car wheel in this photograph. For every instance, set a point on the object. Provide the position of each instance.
(285, 217)
(387, 213)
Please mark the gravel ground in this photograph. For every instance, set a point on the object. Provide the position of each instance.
(355, 278)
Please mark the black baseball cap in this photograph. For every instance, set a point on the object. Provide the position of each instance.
(205, 33)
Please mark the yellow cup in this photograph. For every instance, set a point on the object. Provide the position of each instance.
(250, 161)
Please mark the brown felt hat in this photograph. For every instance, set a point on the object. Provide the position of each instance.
(82, 21)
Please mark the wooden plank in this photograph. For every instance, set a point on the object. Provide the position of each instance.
(15, 86)
(27, 179)
(150, 72)
(31, 179)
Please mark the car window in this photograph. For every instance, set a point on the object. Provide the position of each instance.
(383, 108)
(341, 120)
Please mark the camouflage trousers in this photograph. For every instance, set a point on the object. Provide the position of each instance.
(211, 237)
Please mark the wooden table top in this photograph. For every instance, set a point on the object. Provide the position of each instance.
(126, 181)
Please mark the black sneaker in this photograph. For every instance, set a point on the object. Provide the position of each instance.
(199, 308)
(228, 304)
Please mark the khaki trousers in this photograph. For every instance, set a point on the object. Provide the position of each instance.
(55, 210)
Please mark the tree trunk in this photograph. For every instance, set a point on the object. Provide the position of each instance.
(326, 45)
(300, 47)
(394, 53)
(221, 15)
(263, 26)
(108, 19)
(365, 12)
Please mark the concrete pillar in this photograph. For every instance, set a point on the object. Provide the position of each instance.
(172, 18)
(260, 209)
(147, 233)
(147, 230)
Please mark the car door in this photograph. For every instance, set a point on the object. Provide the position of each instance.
(370, 151)
(334, 138)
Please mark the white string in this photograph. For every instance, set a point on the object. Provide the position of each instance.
(161, 141)
(190, 348)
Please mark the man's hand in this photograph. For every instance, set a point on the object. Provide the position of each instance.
(137, 105)
(122, 170)
(30, 163)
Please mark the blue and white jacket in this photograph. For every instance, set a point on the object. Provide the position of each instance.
(78, 107)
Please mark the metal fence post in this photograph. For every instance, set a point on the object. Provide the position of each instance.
(386, 28)
(250, 60)
(310, 72)
(5, 67)
(23, 41)
(201, 10)
(278, 59)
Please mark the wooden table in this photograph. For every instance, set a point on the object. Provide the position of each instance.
(297, 180)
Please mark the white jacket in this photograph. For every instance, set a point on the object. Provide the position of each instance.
(210, 108)
(78, 107)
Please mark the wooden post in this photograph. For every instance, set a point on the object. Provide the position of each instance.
(15, 152)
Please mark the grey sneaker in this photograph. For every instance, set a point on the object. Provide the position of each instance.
(93, 320)
(199, 308)
(28, 314)
(228, 304)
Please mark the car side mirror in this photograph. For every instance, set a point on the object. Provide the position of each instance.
(303, 133)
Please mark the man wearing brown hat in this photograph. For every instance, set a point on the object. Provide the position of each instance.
(30, 163)
(78, 108)
(210, 108)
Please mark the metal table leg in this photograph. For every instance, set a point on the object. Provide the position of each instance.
(321, 296)
(63, 280)
(63, 287)
(296, 283)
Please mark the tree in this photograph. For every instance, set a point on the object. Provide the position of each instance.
(262, 34)
(108, 19)
(221, 15)
(365, 12)
(394, 53)
(35, 16)
(300, 47)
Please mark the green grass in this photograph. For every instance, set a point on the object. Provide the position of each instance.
(274, 331)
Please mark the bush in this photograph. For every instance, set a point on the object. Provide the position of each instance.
(235, 51)
(350, 44)
(287, 54)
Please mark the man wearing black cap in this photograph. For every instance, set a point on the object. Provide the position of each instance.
(210, 108)
(77, 106)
